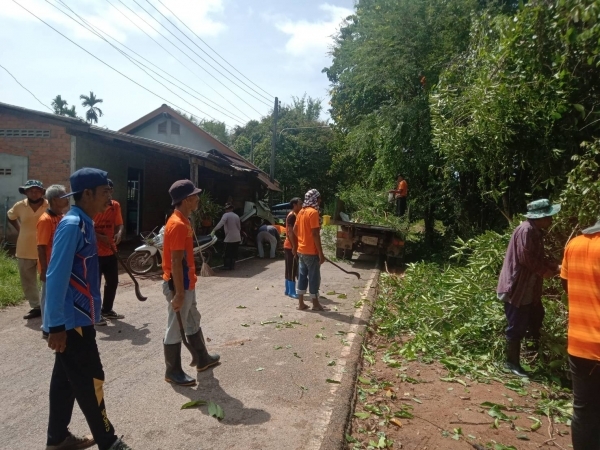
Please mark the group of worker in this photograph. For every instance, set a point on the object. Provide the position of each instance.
(520, 288)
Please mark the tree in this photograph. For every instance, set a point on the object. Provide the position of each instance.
(60, 107)
(90, 102)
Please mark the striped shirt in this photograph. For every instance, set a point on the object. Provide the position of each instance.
(581, 269)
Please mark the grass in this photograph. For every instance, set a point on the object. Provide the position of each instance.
(10, 283)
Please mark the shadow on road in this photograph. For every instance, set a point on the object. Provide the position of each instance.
(209, 389)
(118, 330)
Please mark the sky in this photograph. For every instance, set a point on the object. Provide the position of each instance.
(269, 48)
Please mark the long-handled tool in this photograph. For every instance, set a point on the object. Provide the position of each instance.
(138, 293)
(356, 274)
(193, 351)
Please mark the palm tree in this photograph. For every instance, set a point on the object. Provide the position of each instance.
(91, 115)
(59, 105)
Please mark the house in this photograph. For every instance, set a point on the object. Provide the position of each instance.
(48, 147)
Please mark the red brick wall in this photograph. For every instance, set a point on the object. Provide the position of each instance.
(49, 158)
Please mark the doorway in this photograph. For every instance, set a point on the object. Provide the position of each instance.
(134, 201)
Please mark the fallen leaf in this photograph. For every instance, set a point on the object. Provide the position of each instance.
(417, 400)
(260, 369)
(396, 422)
(244, 324)
(331, 293)
(215, 410)
(280, 315)
(240, 307)
(297, 355)
(277, 347)
(342, 296)
(256, 288)
(193, 403)
(362, 415)
(320, 336)
(329, 380)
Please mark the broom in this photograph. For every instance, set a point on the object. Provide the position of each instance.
(206, 271)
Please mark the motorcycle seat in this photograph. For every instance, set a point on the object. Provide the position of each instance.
(203, 240)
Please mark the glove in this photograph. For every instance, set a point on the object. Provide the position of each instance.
(212, 233)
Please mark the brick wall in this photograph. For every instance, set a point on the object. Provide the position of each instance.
(49, 158)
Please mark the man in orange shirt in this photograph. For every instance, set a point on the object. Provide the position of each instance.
(290, 249)
(310, 252)
(109, 232)
(179, 282)
(580, 274)
(401, 193)
(46, 227)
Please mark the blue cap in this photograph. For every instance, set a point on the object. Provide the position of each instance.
(87, 178)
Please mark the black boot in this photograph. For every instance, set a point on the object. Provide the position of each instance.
(174, 373)
(205, 360)
(513, 358)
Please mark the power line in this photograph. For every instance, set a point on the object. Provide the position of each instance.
(95, 57)
(169, 53)
(203, 51)
(189, 48)
(97, 31)
(19, 83)
(216, 53)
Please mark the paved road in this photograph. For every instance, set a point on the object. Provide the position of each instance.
(271, 383)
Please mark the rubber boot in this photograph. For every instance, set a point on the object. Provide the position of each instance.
(292, 289)
(513, 358)
(287, 287)
(174, 373)
(204, 359)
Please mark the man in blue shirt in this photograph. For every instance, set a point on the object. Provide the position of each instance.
(72, 308)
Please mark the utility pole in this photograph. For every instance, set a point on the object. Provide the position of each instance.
(274, 139)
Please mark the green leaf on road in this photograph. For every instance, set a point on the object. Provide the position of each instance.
(342, 296)
(331, 293)
(193, 404)
(215, 410)
(331, 363)
(329, 380)
(260, 369)
(277, 347)
(320, 336)
(362, 415)
(240, 307)
(244, 324)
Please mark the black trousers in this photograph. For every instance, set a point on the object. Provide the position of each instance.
(400, 206)
(109, 267)
(231, 252)
(291, 265)
(524, 321)
(78, 375)
(585, 427)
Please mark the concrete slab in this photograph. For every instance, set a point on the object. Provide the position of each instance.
(271, 383)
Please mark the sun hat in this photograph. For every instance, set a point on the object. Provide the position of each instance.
(86, 178)
(593, 229)
(541, 208)
(182, 189)
(31, 183)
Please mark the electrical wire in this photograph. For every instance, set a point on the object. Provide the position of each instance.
(216, 53)
(97, 31)
(95, 57)
(269, 99)
(208, 72)
(169, 53)
(32, 94)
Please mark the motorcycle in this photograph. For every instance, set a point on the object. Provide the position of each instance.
(149, 256)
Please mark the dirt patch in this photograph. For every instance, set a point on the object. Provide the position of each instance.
(445, 414)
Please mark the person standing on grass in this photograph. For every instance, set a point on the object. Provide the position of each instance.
(46, 227)
(179, 282)
(290, 249)
(72, 308)
(267, 234)
(401, 195)
(520, 284)
(109, 232)
(310, 251)
(232, 227)
(23, 216)
(580, 276)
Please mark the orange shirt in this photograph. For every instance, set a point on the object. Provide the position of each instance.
(105, 223)
(46, 227)
(402, 188)
(290, 221)
(179, 236)
(581, 269)
(307, 220)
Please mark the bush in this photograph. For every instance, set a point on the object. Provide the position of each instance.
(10, 283)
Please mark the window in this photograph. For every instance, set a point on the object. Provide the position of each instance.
(174, 128)
(24, 133)
(5, 171)
(162, 128)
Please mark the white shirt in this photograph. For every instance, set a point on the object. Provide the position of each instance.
(233, 226)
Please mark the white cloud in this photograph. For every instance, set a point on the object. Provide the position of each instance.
(313, 38)
(196, 14)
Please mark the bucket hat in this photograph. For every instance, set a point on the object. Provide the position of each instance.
(30, 184)
(182, 189)
(86, 178)
(593, 229)
(541, 208)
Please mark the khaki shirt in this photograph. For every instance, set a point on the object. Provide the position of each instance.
(28, 218)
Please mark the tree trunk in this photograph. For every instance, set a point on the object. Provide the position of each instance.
(429, 225)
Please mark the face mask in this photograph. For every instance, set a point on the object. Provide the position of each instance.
(35, 202)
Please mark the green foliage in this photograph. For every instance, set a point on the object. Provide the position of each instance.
(452, 313)
(60, 107)
(11, 292)
(90, 102)
(369, 206)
